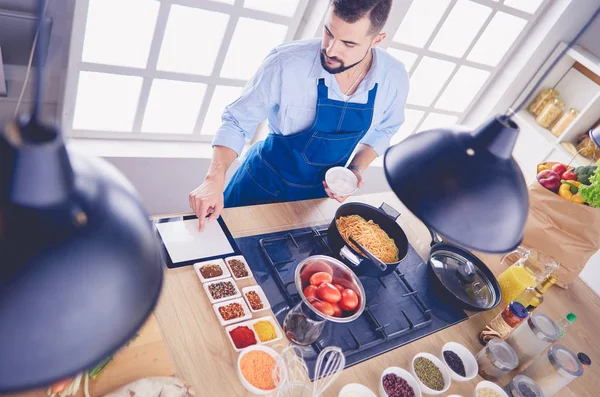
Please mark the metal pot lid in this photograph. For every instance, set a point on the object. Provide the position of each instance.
(463, 278)
(544, 327)
(523, 386)
(502, 355)
(565, 362)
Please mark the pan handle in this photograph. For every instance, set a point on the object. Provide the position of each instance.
(382, 266)
(350, 256)
(435, 238)
(389, 211)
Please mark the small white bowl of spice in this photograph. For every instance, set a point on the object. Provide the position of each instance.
(397, 382)
(255, 367)
(256, 298)
(460, 361)
(211, 270)
(431, 373)
(356, 390)
(239, 267)
(488, 389)
(341, 181)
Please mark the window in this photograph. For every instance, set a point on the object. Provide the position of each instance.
(165, 70)
(451, 49)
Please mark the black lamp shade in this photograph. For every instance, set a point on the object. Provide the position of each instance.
(464, 185)
(79, 274)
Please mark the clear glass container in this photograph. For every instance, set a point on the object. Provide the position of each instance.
(302, 325)
(550, 113)
(503, 324)
(541, 100)
(523, 386)
(554, 369)
(496, 360)
(526, 268)
(564, 122)
(533, 337)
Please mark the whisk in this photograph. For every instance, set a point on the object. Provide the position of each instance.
(330, 363)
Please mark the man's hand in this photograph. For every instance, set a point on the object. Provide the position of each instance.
(207, 199)
(341, 199)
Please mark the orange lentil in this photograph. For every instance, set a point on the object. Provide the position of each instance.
(257, 368)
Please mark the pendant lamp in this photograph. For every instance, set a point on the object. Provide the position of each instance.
(80, 269)
(465, 185)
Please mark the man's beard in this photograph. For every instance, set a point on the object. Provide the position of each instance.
(339, 69)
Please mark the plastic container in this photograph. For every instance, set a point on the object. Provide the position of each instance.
(585, 360)
(243, 260)
(410, 379)
(225, 298)
(261, 294)
(533, 336)
(356, 390)
(341, 181)
(218, 262)
(247, 314)
(467, 358)
(565, 322)
(555, 369)
(245, 383)
(440, 365)
(523, 386)
(496, 360)
(484, 384)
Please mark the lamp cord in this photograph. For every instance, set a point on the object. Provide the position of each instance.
(511, 112)
(41, 48)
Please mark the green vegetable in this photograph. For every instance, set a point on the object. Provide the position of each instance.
(591, 193)
(584, 174)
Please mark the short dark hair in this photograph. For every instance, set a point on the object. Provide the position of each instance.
(353, 10)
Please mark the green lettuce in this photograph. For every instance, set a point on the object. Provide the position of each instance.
(591, 194)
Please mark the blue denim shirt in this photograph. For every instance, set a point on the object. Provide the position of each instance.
(284, 91)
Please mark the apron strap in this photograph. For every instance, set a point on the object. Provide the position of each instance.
(322, 89)
(372, 95)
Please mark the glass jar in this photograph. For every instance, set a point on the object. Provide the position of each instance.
(523, 386)
(541, 100)
(564, 122)
(496, 360)
(533, 337)
(526, 268)
(550, 113)
(555, 369)
(302, 326)
(503, 324)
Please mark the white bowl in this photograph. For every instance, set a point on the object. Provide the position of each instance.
(245, 383)
(261, 294)
(243, 260)
(356, 389)
(489, 385)
(467, 358)
(441, 366)
(218, 262)
(207, 285)
(412, 382)
(344, 176)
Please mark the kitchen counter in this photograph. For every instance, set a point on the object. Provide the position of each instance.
(204, 357)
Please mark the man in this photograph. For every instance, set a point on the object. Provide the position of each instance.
(323, 99)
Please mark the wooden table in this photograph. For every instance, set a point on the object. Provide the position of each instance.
(204, 358)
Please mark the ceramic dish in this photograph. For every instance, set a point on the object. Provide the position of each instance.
(261, 294)
(466, 357)
(247, 314)
(489, 385)
(218, 262)
(356, 389)
(341, 181)
(243, 260)
(440, 365)
(273, 323)
(230, 328)
(208, 285)
(245, 383)
(411, 380)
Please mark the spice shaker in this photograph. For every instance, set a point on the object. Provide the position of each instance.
(585, 360)
(523, 386)
(496, 360)
(541, 100)
(503, 324)
(555, 369)
(533, 337)
(550, 113)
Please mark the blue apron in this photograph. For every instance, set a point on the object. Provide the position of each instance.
(292, 167)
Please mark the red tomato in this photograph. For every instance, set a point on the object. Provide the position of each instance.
(339, 287)
(320, 277)
(349, 300)
(310, 292)
(329, 293)
(337, 310)
(60, 386)
(323, 307)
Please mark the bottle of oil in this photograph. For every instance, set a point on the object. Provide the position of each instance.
(532, 297)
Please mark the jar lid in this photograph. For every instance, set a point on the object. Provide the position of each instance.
(523, 386)
(501, 355)
(584, 359)
(565, 362)
(544, 327)
(518, 309)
